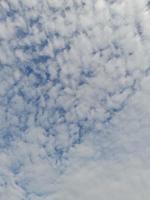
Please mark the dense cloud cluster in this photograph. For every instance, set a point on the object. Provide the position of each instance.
(74, 99)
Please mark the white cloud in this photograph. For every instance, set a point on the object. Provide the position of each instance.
(74, 100)
(106, 181)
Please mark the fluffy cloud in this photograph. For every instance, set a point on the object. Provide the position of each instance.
(74, 99)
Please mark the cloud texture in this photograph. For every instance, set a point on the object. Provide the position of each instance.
(74, 99)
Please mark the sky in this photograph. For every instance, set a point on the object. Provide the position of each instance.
(74, 99)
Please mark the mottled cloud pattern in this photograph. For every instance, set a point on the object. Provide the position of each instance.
(74, 99)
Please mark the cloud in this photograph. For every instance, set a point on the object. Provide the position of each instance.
(74, 99)
(104, 181)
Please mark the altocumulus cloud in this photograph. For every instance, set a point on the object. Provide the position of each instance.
(74, 99)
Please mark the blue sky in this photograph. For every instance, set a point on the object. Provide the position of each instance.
(74, 99)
